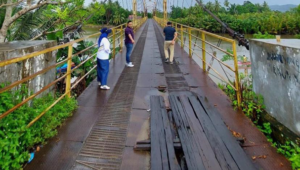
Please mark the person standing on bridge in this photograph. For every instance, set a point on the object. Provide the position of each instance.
(129, 41)
(170, 37)
(103, 58)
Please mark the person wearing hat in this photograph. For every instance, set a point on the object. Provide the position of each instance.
(103, 58)
(170, 37)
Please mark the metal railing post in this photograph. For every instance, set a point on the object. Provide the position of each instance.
(121, 37)
(69, 67)
(181, 35)
(114, 43)
(176, 31)
(236, 71)
(190, 41)
(203, 51)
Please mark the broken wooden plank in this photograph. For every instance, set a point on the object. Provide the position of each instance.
(207, 154)
(172, 125)
(193, 158)
(147, 147)
(156, 159)
(149, 141)
(163, 144)
(238, 154)
(168, 138)
(161, 137)
(222, 154)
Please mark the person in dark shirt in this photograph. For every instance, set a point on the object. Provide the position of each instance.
(129, 41)
(170, 37)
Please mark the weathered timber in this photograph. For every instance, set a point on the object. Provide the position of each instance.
(169, 138)
(192, 155)
(237, 153)
(147, 147)
(162, 146)
(207, 154)
(219, 149)
(156, 159)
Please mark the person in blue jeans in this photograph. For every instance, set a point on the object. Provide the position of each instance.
(103, 58)
(129, 41)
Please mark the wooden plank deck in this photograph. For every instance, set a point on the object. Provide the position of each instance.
(162, 147)
(184, 75)
(205, 140)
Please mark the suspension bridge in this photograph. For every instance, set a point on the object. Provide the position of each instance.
(156, 115)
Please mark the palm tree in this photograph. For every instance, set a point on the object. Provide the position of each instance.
(266, 6)
(226, 4)
(118, 18)
(210, 6)
(232, 9)
(26, 25)
(217, 6)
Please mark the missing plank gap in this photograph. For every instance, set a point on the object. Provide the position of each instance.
(162, 88)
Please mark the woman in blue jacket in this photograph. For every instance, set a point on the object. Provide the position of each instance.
(103, 58)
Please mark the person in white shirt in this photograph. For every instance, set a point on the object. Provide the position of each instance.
(103, 58)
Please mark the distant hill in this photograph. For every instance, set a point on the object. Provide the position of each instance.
(282, 8)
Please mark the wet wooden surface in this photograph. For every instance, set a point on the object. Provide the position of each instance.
(76, 129)
(162, 147)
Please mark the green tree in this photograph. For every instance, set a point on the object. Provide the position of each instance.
(226, 3)
(217, 6)
(97, 11)
(178, 12)
(247, 18)
(210, 6)
(232, 9)
(34, 20)
(266, 6)
(298, 9)
(118, 18)
(14, 11)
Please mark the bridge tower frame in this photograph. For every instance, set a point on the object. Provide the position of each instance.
(145, 8)
(134, 10)
(165, 11)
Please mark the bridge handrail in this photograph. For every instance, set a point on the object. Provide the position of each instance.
(180, 29)
(115, 31)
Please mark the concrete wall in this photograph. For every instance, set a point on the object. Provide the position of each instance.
(18, 71)
(275, 70)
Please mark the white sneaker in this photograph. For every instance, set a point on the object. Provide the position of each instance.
(99, 83)
(105, 87)
(130, 64)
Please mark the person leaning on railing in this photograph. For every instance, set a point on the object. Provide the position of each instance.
(170, 37)
(103, 58)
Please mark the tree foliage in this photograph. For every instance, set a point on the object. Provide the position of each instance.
(34, 19)
(55, 17)
(247, 18)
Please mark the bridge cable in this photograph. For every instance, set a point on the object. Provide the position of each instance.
(212, 59)
(184, 37)
(235, 35)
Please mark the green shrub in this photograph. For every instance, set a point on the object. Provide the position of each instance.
(15, 138)
(253, 106)
(266, 35)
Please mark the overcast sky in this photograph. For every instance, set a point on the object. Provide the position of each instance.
(128, 3)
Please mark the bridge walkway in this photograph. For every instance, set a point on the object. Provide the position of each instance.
(104, 130)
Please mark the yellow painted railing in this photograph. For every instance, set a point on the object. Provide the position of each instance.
(194, 33)
(117, 36)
